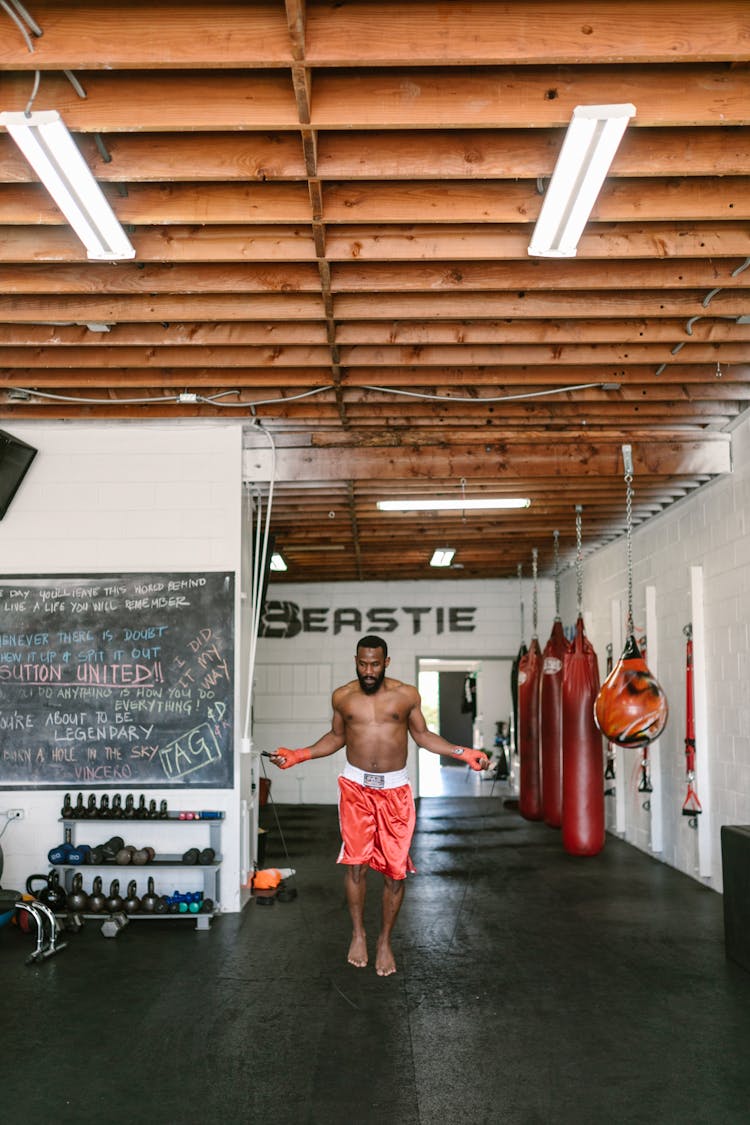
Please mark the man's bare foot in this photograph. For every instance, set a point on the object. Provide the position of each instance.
(385, 962)
(357, 955)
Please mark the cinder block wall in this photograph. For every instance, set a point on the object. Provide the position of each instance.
(296, 674)
(707, 529)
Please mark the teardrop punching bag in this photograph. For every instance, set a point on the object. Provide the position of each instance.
(530, 779)
(582, 787)
(551, 724)
(631, 708)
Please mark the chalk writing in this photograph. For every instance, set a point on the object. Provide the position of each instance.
(125, 679)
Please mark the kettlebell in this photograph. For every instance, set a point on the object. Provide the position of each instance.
(51, 895)
(79, 809)
(91, 809)
(104, 812)
(113, 902)
(153, 812)
(116, 810)
(149, 900)
(78, 900)
(129, 809)
(132, 902)
(142, 812)
(163, 811)
(97, 899)
(67, 812)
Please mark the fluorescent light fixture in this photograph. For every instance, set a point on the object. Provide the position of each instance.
(442, 556)
(278, 562)
(44, 140)
(589, 147)
(488, 504)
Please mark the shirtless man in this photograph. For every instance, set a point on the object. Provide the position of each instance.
(373, 717)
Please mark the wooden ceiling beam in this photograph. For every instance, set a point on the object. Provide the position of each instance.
(526, 153)
(518, 461)
(193, 337)
(543, 97)
(227, 307)
(536, 305)
(400, 277)
(422, 358)
(438, 154)
(698, 381)
(178, 242)
(140, 34)
(637, 200)
(483, 33)
(85, 309)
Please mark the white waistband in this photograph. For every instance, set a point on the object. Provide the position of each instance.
(391, 780)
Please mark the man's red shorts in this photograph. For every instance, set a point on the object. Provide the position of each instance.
(377, 822)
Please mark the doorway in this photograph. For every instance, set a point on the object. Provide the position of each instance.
(443, 684)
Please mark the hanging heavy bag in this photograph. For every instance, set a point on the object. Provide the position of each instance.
(582, 790)
(551, 726)
(514, 691)
(529, 778)
(631, 708)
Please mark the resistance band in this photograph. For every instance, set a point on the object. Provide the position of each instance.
(691, 806)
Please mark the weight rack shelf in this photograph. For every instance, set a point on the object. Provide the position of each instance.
(163, 862)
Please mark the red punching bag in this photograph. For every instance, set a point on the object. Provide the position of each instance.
(551, 732)
(582, 786)
(529, 780)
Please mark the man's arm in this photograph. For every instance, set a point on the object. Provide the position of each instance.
(427, 739)
(329, 743)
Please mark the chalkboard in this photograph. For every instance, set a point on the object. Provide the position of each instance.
(117, 681)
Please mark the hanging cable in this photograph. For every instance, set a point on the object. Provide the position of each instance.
(495, 398)
(260, 553)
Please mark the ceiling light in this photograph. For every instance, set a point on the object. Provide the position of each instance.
(278, 562)
(442, 556)
(589, 147)
(44, 140)
(488, 504)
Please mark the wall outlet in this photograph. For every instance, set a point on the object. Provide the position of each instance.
(15, 814)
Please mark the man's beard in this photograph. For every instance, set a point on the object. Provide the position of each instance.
(372, 687)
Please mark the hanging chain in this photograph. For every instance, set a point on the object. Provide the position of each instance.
(534, 556)
(629, 547)
(556, 553)
(579, 559)
(521, 601)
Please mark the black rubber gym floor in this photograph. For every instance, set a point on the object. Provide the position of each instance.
(532, 988)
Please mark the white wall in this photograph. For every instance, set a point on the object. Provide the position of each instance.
(296, 675)
(708, 529)
(118, 498)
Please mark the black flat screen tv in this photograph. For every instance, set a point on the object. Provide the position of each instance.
(15, 458)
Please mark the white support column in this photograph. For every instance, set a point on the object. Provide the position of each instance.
(620, 781)
(654, 752)
(702, 748)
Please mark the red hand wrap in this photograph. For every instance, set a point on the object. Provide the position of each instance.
(477, 759)
(291, 757)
